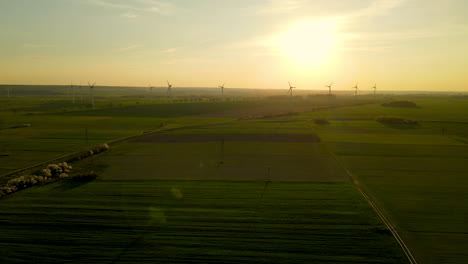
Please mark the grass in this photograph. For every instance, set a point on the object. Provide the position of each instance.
(238, 161)
(58, 127)
(417, 176)
(424, 192)
(146, 205)
(193, 222)
(431, 108)
(244, 130)
(53, 134)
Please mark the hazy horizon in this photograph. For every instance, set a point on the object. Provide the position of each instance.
(316, 90)
(402, 45)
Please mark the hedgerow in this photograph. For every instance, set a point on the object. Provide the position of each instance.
(321, 121)
(90, 152)
(50, 173)
(406, 104)
(396, 120)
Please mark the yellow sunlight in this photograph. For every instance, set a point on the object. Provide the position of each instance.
(310, 43)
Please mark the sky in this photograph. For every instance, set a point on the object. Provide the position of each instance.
(397, 44)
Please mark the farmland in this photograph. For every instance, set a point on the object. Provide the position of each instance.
(204, 221)
(251, 179)
(57, 126)
(418, 174)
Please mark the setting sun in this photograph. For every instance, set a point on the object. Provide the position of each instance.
(310, 43)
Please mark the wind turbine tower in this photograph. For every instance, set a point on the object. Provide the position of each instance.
(169, 89)
(72, 87)
(222, 89)
(290, 89)
(151, 92)
(329, 88)
(81, 93)
(356, 89)
(91, 93)
(375, 89)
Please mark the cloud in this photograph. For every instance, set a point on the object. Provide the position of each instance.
(377, 7)
(37, 57)
(280, 6)
(149, 6)
(128, 48)
(33, 45)
(190, 60)
(129, 15)
(374, 7)
(170, 50)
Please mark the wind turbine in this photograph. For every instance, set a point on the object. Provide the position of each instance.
(169, 89)
(81, 94)
(355, 89)
(329, 88)
(91, 92)
(290, 89)
(151, 91)
(72, 87)
(222, 89)
(375, 88)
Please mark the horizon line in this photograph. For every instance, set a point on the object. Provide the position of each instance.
(250, 88)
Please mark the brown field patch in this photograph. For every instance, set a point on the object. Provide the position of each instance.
(261, 137)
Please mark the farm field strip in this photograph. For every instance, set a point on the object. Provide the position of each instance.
(423, 200)
(380, 213)
(194, 221)
(55, 142)
(420, 187)
(437, 108)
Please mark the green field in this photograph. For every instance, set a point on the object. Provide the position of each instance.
(417, 175)
(423, 188)
(247, 179)
(58, 127)
(176, 221)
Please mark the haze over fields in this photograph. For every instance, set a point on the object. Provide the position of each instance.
(398, 44)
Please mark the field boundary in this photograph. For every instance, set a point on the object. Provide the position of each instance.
(66, 157)
(378, 211)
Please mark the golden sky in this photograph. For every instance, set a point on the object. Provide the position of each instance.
(398, 44)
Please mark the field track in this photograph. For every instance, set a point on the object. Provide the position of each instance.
(379, 212)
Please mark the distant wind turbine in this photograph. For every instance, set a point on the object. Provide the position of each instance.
(91, 92)
(356, 89)
(151, 91)
(375, 88)
(169, 89)
(329, 88)
(72, 87)
(290, 91)
(81, 94)
(222, 89)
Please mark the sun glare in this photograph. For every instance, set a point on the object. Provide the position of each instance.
(310, 43)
